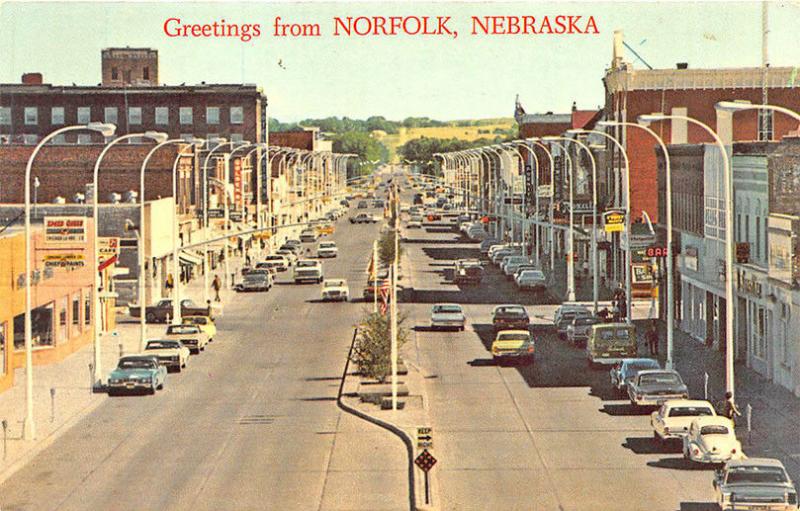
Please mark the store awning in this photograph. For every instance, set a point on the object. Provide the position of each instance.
(190, 258)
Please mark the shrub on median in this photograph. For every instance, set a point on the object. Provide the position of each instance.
(386, 248)
(373, 349)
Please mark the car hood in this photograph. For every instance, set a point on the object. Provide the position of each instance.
(164, 351)
(510, 344)
(449, 316)
(336, 288)
(128, 373)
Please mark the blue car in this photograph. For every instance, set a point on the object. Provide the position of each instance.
(623, 372)
(137, 373)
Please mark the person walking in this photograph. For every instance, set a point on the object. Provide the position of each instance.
(216, 284)
(652, 338)
(169, 284)
(731, 411)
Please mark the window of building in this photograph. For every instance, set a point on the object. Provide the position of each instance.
(146, 73)
(135, 115)
(31, 115)
(41, 327)
(84, 114)
(185, 114)
(5, 115)
(212, 139)
(758, 238)
(87, 307)
(57, 115)
(765, 125)
(3, 337)
(84, 138)
(187, 136)
(212, 115)
(110, 114)
(126, 73)
(59, 139)
(162, 115)
(237, 115)
(237, 137)
(758, 326)
(786, 343)
(30, 139)
(114, 73)
(62, 334)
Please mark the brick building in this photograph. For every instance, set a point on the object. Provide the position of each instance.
(123, 67)
(694, 92)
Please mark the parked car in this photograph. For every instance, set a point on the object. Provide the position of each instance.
(327, 249)
(309, 236)
(754, 484)
(578, 331)
(711, 439)
(447, 315)
(255, 281)
(477, 233)
(511, 264)
(362, 204)
(158, 313)
(137, 372)
(467, 271)
(610, 343)
(673, 418)
(513, 345)
(326, 229)
(624, 371)
(531, 279)
(190, 335)
(654, 386)
(276, 262)
(362, 218)
(487, 244)
(510, 317)
(170, 353)
(335, 290)
(308, 270)
(205, 323)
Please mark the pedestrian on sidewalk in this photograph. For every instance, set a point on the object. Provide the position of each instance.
(652, 338)
(731, 410)
(170, 283)
(216, 285)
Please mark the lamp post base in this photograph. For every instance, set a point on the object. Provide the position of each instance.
(28, 429)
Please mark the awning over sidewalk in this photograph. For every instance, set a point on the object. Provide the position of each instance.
(190, 258)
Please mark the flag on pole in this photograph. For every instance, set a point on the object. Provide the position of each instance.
(384, 292)
(371, 267)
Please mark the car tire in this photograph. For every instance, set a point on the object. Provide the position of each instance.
(179, 368)
(150, 317)
(152, 389)
(461, 328)
(161, 386)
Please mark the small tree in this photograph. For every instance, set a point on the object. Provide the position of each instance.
(386, 248)
(373, 347)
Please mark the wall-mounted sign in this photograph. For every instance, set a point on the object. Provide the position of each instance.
(544, 191)
(64, 260)
(749, 285)
(690, 258)
(107, 248)
(743, 253)
(237, 181)
(64, 230)
(614, 221)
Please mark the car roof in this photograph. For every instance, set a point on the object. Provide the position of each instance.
(712, 420)
(673, 403)
(639, 360)
(447, 305)
(522, 332)
(751, 462)
(658, 371)
(141, 356)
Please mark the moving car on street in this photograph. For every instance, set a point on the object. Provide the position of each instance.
(278, 262)
(205, 323)
(712, 439)
(568, 317)
(170, 353)
(511, 265)
(190, 335)
(625, 370)
(673, 418)
(362, 218)
(255, 281)
(327, 249)
(578, 331)
(158, 313)
(290, 255)
(415, 222)
(307, 270)
(487, 244)
(754, 484)
(467, 271)
(309, 235)
(510, 317)
(533, 280)
(137, 372)
(513, 345)
(447, 316)
(610, 343)
(335, 290)
(654, 386)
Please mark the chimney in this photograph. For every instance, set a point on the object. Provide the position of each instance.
(616, 56)
(682, 65)
(32, 79)
(574, 106)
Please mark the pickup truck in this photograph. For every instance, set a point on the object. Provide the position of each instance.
(158, 313)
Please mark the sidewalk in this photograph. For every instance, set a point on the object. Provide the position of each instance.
(775, 432)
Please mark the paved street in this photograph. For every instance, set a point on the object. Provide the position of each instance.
(252, 423)
(548, 436)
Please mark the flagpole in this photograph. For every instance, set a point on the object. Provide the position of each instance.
(394, 305)
(374, 276)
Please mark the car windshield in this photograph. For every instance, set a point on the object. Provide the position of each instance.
(714, 429)
(136, 363)
(275, 258)
(635, 367)
(306, 264)
(195, 320)
(255, 276)
(583, 321)
(162, 345)
(612, 334)
(511, 311)
(182, 329)
(756, 474)
(327, 245)
(446, 309)
(690, 411)
(334, 283)
(659, 379)
(512, 337)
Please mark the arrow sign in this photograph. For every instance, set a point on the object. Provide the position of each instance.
(425, 437)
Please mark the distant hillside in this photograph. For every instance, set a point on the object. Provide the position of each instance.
(462, 130)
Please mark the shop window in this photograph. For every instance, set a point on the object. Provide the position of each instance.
(76, 313)
(63, 335)
(84, 114)
(87, 308)
(41, 327)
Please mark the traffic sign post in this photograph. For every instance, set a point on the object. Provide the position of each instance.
(425, 461)
(424, 438)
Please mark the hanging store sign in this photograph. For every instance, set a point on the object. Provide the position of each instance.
(614, 221)
(64, 230)
(237, 181)
(107, 248)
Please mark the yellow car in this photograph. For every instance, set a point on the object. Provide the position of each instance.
(511, 345)
(324, 229)
(205, 323)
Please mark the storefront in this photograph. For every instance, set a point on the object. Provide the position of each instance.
(755, 310)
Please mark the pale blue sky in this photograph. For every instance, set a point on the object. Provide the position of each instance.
(443, 78)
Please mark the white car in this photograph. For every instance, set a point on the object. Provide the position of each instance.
(327, 249)
(288, 254)
(335, 290)
(673, 418)
(712, 439)
(415, 222)
(447, 315)
(531, 279)
(171, 354)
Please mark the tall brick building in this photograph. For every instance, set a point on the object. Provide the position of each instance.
(129, 66)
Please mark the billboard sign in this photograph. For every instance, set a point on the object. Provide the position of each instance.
(64, 230)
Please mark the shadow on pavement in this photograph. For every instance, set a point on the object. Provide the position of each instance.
(621, 410)
(698, 506)
(677, 464)
(482, 362)
(647, 445)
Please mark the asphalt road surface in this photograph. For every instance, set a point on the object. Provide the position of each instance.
(551, 436)
(251, 425)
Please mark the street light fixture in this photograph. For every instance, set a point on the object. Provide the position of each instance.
(107, 130)
(570, 253)
(220, 143)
